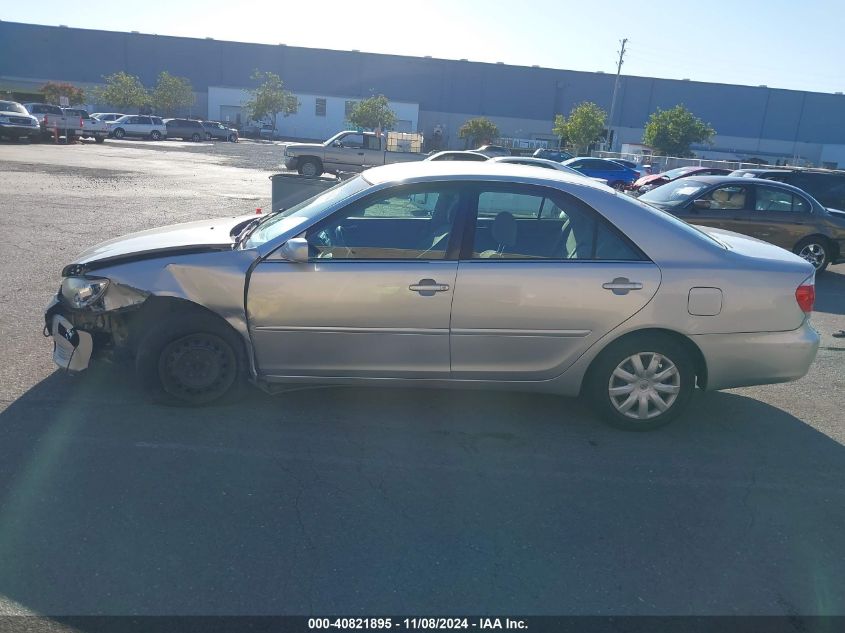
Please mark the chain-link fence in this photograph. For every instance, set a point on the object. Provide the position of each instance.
(662, 163)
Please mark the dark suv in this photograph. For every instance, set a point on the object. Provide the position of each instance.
(825, 185)
(216, 130)
(186, 129)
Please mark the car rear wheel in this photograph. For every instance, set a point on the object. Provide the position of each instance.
(310, 168)
(815, 250)
(232, 138)
(192, 360)
(642, 382)
(119, 133)
(155, 135)
(196, 138)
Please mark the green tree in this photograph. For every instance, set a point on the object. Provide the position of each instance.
(671, 132)
(559, 130)
(269, 98)
(123, 91)
(171, 93)
(373, 113)
(53, 90)
(585, 125)
(478, 131)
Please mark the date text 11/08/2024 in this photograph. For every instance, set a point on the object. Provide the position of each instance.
(416, 623)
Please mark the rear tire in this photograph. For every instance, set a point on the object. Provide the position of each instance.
(155, 135)
(100, 139)
(192, 359)
(196, 138)
(119, 133)
(816, 250)
(642, 382)
(310, 168)
(232, 138)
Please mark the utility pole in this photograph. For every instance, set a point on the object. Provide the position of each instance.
(615, 91)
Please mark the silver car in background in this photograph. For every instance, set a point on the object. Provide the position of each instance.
(445, 274)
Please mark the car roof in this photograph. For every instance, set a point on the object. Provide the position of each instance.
(740, 180)
(470, 170)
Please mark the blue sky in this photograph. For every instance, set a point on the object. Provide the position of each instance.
(797, 44)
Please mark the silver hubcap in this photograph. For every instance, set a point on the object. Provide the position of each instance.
(813, 253)
(644, 385)
(308, 169)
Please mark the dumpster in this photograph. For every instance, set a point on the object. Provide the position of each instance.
(291, 189)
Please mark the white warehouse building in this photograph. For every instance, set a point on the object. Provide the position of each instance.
(318, 116)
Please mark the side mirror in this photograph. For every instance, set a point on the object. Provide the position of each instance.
(701, 204)
(295, 250)
(337, 144)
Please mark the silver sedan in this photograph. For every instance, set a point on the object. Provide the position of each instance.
(448, 275)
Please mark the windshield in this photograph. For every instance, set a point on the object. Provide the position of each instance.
(11, 106)
(672, 174)
(675, 193)
(280, 223)
(685, 226)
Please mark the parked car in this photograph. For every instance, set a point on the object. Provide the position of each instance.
(16, 122)
(825, 185)
(493, 150)
(770, 211)
(530, 161)
(552, 154)
(107, 116)
(217, 130)
(642, 170)
(465, 155)
(649, 182)
(617, 176)
(91, 127)
(345, 151)
(151, 127)
(186, 129)
(52, 121)
(447, 274)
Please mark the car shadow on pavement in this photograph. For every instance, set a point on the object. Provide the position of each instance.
(830, 292)
(397, 501)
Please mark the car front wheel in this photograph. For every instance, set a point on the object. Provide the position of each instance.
(192, 360)
(642, 382)
(155, 135)
(119, 133)
(310, 168)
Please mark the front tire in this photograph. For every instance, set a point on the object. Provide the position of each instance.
(119, 133)
(310, 168)
(642, 382)
(192, 360)
(100, 139)
(815, 250)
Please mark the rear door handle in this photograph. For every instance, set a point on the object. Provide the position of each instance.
(427, 287)
(622, 286)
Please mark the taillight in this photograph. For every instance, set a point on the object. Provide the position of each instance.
(805, 294)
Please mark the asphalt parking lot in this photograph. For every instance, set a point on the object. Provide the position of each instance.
(379, 501)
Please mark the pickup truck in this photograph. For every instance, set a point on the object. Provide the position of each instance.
(51, 118)
(91, 126)
(345, 151)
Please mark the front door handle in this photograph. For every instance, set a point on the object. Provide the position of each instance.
(427, 287)
(622, 286)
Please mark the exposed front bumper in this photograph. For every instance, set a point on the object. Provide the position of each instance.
(291, 162)
(758, 358)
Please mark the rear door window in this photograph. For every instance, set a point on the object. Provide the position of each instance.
(517, 222)
(779, 200)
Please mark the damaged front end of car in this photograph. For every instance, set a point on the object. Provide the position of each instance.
(89, 317)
